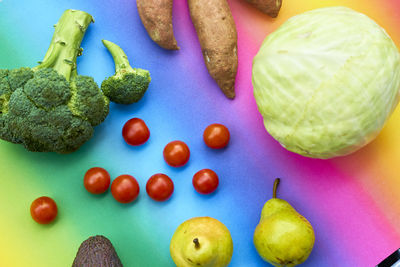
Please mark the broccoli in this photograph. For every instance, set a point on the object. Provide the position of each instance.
(128, 84)
(50, 108)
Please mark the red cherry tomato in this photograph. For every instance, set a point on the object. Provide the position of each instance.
(44, 210)
(216, 136)
(160, 187)
(205, 181)
(176, 153)
(125, 188)
(135, 132)
(96, 180)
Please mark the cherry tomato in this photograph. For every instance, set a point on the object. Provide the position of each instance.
(176, 153)
(135, 132)
(125, 188)
(205, 181)
(96, 180)
(216, 136)
(44, 210)
(160, 187)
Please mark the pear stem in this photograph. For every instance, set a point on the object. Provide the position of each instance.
(276, 183)
(196, 243)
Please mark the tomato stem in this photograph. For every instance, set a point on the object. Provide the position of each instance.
(276, 183)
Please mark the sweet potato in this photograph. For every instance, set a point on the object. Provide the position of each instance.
(269, 7)
(217, 34)
(156, 16)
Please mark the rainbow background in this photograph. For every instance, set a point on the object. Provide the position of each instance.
(352, 202)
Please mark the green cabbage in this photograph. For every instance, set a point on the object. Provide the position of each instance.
(326, 82)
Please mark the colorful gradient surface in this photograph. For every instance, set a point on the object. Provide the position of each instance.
(352, 201)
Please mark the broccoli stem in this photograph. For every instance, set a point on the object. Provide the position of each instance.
(119, 56)
(65, 44)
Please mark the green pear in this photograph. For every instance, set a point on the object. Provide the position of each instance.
(201, 242)
(283, 237)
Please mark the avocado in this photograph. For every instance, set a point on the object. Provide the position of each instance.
(97, 251)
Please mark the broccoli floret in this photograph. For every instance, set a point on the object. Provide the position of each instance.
(128, 84)
(5, 91)
(18, 77)
(50, 108)
(48, 89)
(88, 101)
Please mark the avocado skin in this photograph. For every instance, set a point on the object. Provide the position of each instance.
(97, 251)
